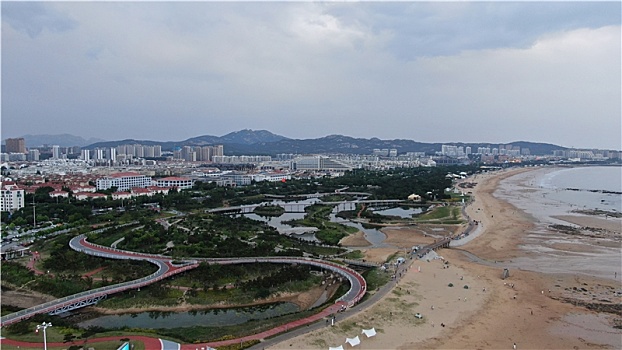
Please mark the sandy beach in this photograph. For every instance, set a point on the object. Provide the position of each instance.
(532, 309)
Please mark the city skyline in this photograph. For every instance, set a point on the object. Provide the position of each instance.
(431, 72)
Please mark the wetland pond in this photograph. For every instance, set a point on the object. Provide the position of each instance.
(210, 317)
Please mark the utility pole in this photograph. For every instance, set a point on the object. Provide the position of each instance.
(34, 215)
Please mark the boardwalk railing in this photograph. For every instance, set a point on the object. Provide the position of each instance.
(166, 269)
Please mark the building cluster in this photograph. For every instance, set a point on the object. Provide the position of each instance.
(87, 186)
(122, 154)
(465, 152)
(574, 154)
(384, 152)
(199, 153)
(143, 170)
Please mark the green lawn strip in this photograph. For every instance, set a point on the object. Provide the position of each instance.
(355, 254)
(153, 295)
(108, 345)
(434, 214)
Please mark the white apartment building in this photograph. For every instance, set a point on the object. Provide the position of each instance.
(318, 163)
(181, 183)
(11, 197)
(123, 181)
(85, 154)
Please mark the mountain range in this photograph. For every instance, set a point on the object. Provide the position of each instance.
(263, 142)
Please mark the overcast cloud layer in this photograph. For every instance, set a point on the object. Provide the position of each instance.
(430, 72)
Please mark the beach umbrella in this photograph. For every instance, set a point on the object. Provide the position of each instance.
(369, 332)
(353, 341)
(340, 347)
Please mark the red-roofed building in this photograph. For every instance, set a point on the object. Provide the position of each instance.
(156, 189)
(121, 195)
(83, 188)
(87, 195)
(181, 183)
(139, 191)
(63, 194)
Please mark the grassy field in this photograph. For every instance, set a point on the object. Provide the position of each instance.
(449, 215)
(111, 345)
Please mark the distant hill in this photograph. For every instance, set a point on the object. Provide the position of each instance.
(242, 137)
(262, 142)
(63, 140)
(350, 145)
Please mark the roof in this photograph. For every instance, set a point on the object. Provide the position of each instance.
(125, 174)
(89, 194)
(174, 178)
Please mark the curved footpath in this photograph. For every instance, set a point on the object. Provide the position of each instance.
(165, 269)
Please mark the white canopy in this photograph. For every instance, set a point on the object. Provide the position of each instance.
(340, 347)
(353, 341)
(369, 332)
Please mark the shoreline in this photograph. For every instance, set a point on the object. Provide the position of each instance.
(530, 308)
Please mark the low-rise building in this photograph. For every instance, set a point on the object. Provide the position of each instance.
(182, 183)
(81, 196)
(62, 194)
(121, 195)
(123, 181)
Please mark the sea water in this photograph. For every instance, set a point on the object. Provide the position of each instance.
(595, 187)
(546, 193)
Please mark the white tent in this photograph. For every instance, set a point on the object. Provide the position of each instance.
(353, 341)
(340, 347)
(369, 332)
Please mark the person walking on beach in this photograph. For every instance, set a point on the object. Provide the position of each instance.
(514, 346)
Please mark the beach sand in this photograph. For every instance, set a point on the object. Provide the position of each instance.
(530, 308)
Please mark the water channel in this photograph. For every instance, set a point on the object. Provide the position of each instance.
(226, 317)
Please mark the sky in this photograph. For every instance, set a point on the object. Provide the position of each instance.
(491, 72)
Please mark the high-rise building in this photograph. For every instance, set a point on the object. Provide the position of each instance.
(56, 152)
(98, 154)
(33, 155)
(85, 154)
(111, 154)
(15, 145)
(219, 150)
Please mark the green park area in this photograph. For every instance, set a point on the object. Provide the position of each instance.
(184, 229)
